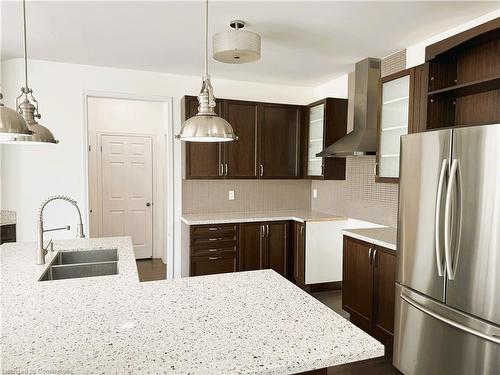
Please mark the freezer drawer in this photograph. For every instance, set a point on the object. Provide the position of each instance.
(431, 338)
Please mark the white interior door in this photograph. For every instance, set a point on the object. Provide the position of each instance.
(127, 190)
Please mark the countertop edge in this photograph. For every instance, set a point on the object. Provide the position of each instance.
(372, 240)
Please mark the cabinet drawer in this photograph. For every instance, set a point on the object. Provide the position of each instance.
(213, 230)
(213, 251)
(210, 265)
(215, 241)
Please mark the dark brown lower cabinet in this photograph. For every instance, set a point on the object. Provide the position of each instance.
(299, 244)
(264, 245)
(7, 233)
(368, 287)
(214, 249)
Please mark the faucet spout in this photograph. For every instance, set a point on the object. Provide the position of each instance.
(41, 251)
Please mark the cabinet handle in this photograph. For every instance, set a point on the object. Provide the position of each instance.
(370, 255)
(213, 228)
(374, 258)
(262, 231)
(302, 231)
(213, 258)
(213, 250)
(267, 230)
(221, 169)
(261, 170)
(225, 173)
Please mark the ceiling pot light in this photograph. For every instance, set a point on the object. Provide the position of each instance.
(36, 133)
(236, 46)
(206, 126)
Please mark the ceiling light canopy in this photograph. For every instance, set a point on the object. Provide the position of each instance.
(206, 126)
(236, 46)
(12, 129)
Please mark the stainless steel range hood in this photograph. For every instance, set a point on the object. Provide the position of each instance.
(363, 139)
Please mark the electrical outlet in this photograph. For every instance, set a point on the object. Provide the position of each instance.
(231, 195)
(315, 193)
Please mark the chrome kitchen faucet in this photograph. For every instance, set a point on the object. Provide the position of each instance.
(41, 250)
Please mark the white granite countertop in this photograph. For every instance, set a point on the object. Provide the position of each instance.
(7, 217)
(247, 322)
(385, 237)
(241, 217)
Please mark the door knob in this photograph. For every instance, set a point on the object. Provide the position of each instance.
(148, 204)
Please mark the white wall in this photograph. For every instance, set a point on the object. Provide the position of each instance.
(140, 117)
(31, 173)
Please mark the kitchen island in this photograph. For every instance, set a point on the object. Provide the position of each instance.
(247, 322)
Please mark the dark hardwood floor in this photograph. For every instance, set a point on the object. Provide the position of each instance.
(151, 269)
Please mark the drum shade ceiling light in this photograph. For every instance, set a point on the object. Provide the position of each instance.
(206, 126)
(236, 46)
(32, 132)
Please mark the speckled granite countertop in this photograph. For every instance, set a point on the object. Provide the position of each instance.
(239, 323)
(241, 217)
(7, 217)
(385, 237)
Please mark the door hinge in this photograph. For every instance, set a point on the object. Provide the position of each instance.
(89, 148)
(101, 148)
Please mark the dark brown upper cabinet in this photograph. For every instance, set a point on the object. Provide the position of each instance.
(240, 157)
(402, 99)
(268, 144)
(326, 123)
(464, 78)
(279, 141)
(203, 160)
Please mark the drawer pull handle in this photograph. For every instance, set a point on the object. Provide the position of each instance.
(213, 258)
(213, 228)
(212, 250)
(213, 239)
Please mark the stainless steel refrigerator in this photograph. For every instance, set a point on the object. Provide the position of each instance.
(447, 317)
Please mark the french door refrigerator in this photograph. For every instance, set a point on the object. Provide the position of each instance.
(447, 316)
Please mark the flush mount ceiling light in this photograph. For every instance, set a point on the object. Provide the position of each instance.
(236, 46)
(206, 126)
(28, 112)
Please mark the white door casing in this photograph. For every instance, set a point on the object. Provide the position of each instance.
(126, 190)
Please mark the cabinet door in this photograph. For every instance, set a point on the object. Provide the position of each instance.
(357, 282)
(241, 156)
(279, 148)
(385, 288)
(275, 249)
(418, 98)
(299, 253)
(393, 123)
(251, 241)
(203, 159)
(213, 264)
(315, 140)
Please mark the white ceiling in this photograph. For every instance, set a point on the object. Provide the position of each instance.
(303, 43)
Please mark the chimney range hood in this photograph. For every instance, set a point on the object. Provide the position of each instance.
(363, 139)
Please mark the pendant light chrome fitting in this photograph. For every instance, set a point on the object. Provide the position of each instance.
(206, 126)
(35, 133)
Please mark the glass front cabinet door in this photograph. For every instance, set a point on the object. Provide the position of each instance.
(315, 142)
(393, 123)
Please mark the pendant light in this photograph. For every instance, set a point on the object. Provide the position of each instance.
(206, 126)
(28, 111)
(12, 124)
(236, 46)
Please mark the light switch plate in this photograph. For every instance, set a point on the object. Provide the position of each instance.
(315, 193)
(231, 195)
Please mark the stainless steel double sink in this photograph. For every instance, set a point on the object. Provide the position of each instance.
(76, 264)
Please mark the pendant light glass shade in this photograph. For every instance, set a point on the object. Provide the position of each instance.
(12, 124)
(236, 46)
(206, 126)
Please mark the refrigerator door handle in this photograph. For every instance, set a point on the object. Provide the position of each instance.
(437, 219)
(448, 230)
(462, 327)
